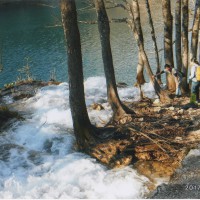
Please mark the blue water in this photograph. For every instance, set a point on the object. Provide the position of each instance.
(26, 32)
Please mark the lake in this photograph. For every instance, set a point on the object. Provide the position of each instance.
(29, 32)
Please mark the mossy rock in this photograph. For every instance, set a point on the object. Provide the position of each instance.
(6, 115)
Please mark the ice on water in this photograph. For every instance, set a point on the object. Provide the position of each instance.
(38, 159)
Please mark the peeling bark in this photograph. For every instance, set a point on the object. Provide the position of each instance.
(161, 94)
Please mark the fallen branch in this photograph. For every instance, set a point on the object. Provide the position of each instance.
(145, 135)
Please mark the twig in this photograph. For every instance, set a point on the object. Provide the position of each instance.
(145, 135)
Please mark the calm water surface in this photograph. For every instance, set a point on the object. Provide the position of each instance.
(28, 31)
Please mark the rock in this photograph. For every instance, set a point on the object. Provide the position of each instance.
(125, 119)
(157, 101)
(157, 109)
(181, 111)
(171, 108)
(190, 106)
(22, 96)
(121, 85)
(175, 117)
(178, 138)
(140, 119)
(184, 184)
(97, 106)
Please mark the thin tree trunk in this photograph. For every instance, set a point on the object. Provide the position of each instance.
(104, 31)
(140, 67)
(195, 31)
(81, 122)
(140, 70)
(178, 35)
(168, 42)
(154, 41)
(140, 74)
(185, 52)
(161, 94)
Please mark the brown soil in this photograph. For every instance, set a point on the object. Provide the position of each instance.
(156, 141)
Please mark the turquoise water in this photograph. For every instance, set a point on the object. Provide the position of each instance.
(28, 31)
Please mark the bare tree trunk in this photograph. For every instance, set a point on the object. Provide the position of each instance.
(140, 67)
(140, 70)
(140, 74)
(178, 35)
(81, 122)
(195, 31)
(154, 41)
(161, 94)
(104, 31)
(185, 87)
(168, 42)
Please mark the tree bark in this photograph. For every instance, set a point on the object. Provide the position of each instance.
(154, 41)
(81, 122)
(140, 68)
(185, 87)
(168, 42)
(161, 94)
(104, 31)
(195, 31)
(178, 35)
(140, 74)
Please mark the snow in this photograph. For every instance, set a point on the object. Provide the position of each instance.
(41, 161)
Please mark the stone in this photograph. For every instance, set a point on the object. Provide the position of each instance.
(121, 85)
(157, 101)
(171, 108)
(97, 106)
(157, 109)
(181, 111)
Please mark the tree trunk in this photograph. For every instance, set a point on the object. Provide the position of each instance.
(178, 35)
(161, 94)
(185, 21)
(168, 43)
(140, 74)
(195, 31)
(81, 122)
(140, 67)
(154, 41)
(104, 31)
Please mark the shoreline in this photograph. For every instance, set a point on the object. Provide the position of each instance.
(161, 169)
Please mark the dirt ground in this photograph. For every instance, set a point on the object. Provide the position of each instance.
(156, 140)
